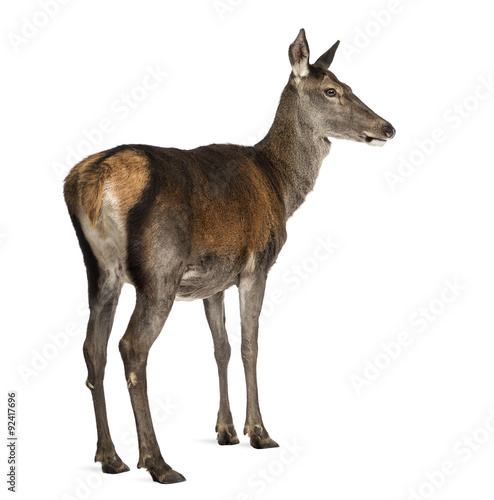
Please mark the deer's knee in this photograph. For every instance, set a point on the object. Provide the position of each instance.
(249, 350)
(134, 354)
(126, 351)
(222, 352)
(133, 362)
(95, 362)
(106, 293)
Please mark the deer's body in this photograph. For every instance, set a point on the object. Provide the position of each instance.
(185, 225)
(220, 207)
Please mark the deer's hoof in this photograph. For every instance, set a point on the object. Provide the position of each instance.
(259, 437)
(168, 477)
(160, 471)
(259, 444)
(114, 466)
(227, 435)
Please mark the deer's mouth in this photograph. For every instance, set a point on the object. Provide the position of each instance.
(374, 141)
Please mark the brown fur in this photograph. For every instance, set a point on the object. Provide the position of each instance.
(230, 207)
(129, 176)
(126, 172)
(71, 187)
(244, 221)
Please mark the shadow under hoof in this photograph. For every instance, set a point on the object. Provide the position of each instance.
(169, 477)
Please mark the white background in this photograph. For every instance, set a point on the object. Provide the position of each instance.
(226, 62)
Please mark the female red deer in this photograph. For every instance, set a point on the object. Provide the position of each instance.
(189, 224)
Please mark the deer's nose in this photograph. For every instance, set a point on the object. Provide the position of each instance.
(389, 131)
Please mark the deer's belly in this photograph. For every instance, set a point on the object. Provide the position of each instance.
(202, 281)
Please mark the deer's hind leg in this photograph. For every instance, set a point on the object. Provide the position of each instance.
(104, 291)
(215, 313)
(156, 289)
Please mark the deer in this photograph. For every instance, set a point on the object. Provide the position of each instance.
(189, 224)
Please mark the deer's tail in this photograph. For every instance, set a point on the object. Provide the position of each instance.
(84, 186)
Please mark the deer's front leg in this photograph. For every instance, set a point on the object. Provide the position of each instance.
(251, 290)
(215, 313)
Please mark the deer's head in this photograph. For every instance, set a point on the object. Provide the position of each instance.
(329, 106)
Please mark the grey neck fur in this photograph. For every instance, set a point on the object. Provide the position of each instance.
(294, 147)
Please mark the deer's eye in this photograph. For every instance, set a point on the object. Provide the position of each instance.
(330, 92)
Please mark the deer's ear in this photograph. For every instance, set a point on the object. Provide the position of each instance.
(327, 58)
(299, 55)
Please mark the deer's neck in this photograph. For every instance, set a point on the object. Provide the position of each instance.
(293, 147)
